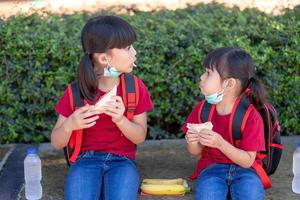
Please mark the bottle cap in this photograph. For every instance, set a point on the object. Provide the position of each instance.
(31, 150)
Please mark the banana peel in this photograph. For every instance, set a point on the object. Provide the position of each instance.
(177, 186)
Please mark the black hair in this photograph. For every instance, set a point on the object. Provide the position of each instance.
(99, 35)
(231, 62)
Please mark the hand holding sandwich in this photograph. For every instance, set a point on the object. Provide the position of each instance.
(115, 108)
(192, 135)
(112, 105)
(204, 134)
(210, 138)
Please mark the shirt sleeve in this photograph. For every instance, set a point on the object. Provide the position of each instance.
(145, 103)
(63, 105)
(192, 118)
(253, 136)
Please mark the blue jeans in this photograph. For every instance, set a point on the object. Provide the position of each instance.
(222, 181)
(102, 176)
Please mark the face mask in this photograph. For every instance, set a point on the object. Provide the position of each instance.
(111, 71)
(215, 98)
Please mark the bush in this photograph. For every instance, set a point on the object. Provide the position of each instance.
(39, 55)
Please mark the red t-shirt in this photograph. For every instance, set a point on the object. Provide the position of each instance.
(252, 138)
(105, 135)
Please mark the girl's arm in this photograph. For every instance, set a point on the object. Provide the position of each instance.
(134, 130)
(61, 133)
(238, 156)
(63, 128)
(194, 147)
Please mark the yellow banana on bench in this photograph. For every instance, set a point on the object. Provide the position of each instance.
(163, 189)
(177, 186)
(178, 181)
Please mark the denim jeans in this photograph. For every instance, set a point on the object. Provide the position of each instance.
(223, 181)
(102, 176)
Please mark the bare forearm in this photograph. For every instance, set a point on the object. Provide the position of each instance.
(195, 148)
(61, 135)
(238, 156)
(134, 132)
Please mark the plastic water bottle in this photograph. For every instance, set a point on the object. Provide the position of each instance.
(296, 170)
(33, 175)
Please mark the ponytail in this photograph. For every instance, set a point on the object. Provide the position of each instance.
(258, 94)
(87, 78)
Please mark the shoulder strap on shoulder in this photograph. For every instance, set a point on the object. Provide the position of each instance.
(238, 118)
(130, 93)
(206, 111)
(77, 97)
(71, 99)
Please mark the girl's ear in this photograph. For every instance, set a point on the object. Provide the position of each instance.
(100, 58)
(231, 83)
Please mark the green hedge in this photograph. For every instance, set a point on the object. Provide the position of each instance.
(39, 55)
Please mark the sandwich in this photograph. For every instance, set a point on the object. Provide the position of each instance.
(198, 127)
(105, 98)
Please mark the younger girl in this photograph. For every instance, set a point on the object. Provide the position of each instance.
(105, 168)
(225, 170)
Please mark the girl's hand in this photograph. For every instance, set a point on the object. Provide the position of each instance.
(191, 137)
(83, 118)
(115, 109)
(210, 138)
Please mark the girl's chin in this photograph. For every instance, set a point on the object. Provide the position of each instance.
(129, 70)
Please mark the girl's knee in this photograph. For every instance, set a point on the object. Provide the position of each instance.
(251, 189)
(211, 188)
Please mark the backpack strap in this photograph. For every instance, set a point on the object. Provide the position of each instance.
(262, 174)
(237, 121)
(130, 93)
(76, 101)
(77, 96)
(266, 117)
(240, 113)
(205, 112)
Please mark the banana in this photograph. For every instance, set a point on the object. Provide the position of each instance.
(177, 181)
(154, 189)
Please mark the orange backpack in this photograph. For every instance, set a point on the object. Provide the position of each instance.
(130, 97)
(237, 121)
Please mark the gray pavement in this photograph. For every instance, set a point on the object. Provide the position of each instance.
(155, 159)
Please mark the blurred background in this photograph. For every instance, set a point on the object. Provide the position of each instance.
(40, 50)
(11, 7)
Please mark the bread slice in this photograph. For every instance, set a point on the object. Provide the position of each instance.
(105, 98)
(198, 127)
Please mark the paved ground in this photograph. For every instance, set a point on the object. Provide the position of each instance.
(156, 159)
